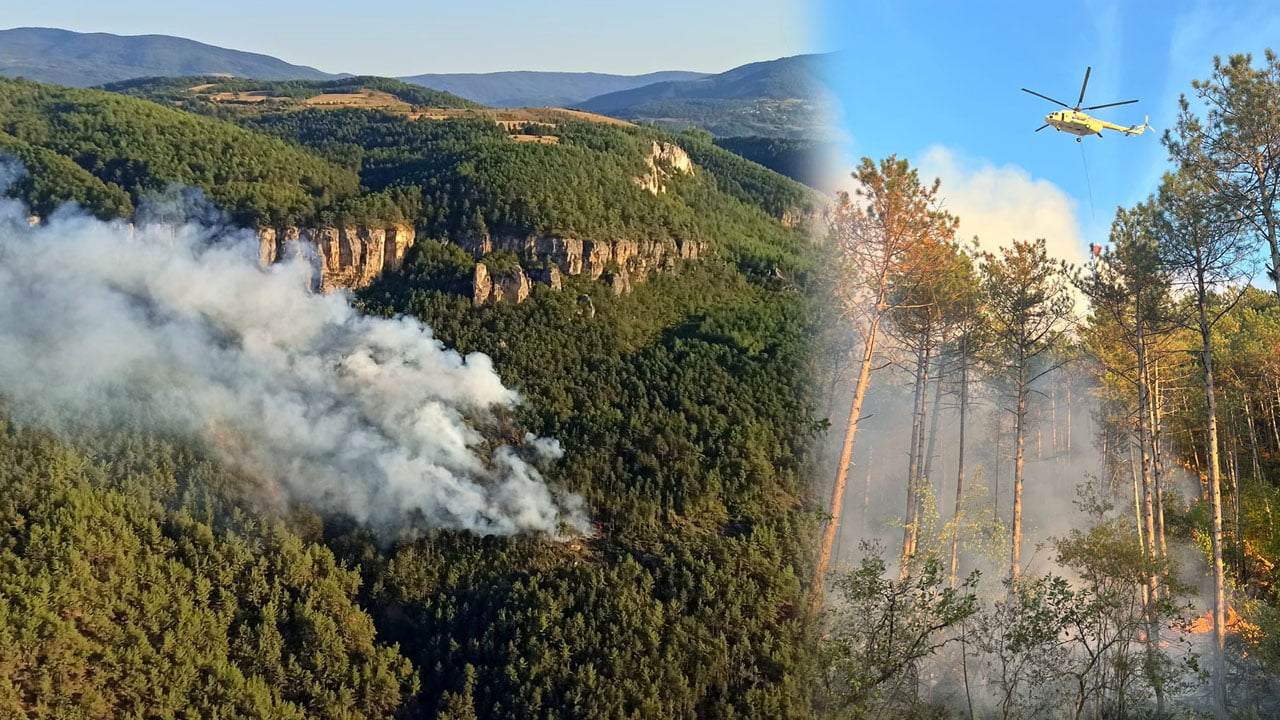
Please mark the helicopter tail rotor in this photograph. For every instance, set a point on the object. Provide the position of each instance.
(1139, 129)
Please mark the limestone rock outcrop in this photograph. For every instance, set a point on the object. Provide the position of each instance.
(576, 256)
(664, 160)
(345, 257)
(549, 276)
(503, 286)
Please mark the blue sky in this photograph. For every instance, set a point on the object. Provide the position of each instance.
(938, 82)
(407, 37)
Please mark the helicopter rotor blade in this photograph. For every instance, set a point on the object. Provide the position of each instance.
(1098, 107)
(1042, 127)
(1046, 97)
(1080, 102)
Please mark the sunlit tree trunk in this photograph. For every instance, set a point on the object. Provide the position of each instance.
(964, 415)
(1215, 504)
(1019, 438)
(1157, 432)
(927, 472)
(1070, 409)
(1145, 446)
(911, 524)
(1137, 508)
(842, 471)
(1233, 474)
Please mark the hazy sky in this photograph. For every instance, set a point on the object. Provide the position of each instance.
(941, 87)
(404, 37)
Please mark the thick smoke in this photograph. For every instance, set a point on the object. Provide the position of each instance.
(174, 327)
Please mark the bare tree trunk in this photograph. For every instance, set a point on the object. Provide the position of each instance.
(1053, 418)
(1070, 408)
(995, 484)
(964, 417)
(1273, 243)
(1145, 415)
(1253, 439)
(955, 516)
(1233, 474)
(1157, 432)
(1202, 475)
(933, 422)
(1137, 508)
(1215, 503)
(1104, 475)
(842, 472)
(1019, 432)
(911, 526)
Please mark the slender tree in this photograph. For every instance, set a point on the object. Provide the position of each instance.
(874, 241)
(967, 326)
(924, 318)
(1130, 286)
(1208, 255)
(1029, 311)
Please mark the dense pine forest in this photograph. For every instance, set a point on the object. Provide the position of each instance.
(146, 577)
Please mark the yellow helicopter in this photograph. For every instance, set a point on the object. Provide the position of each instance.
(1079, 123)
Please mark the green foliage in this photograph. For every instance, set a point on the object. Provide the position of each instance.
(51, 180)
(680, 409)
(180, 88)
(142, 148)
(883, 628)
(749, 182)
(799, 159)
(115, 601)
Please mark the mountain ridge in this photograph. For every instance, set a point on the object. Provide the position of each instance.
(524, 88)
(778, 98)
(88, 59)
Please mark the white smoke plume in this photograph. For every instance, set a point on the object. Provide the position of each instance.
(174, 327)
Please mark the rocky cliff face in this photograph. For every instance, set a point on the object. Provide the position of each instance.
(353, 256)
(346, 257)
(506, 286)
(664, 160)
(619, 262)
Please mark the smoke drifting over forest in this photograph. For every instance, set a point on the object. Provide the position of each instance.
(173, 327)
(1061, 457)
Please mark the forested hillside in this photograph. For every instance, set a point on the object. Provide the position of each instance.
(801, 160)
(681, 408)
(776, 98)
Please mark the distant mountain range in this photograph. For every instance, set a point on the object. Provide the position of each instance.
(524, 88)
(87, 59)
(778, 98)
